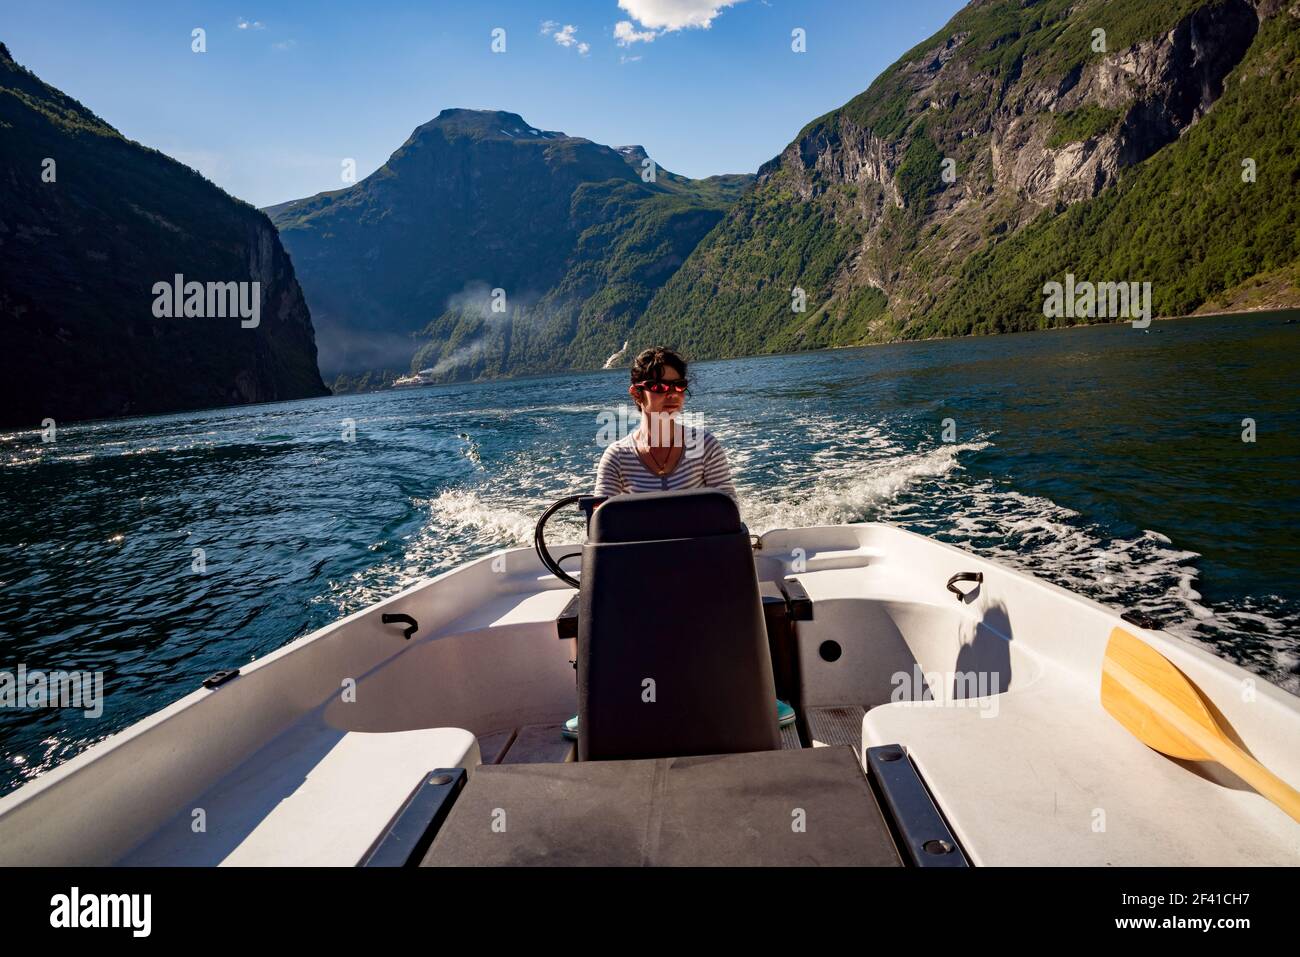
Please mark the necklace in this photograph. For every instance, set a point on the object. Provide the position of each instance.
(660, 468)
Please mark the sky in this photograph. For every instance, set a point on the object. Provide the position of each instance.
(287, 90)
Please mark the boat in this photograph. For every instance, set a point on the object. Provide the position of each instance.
(423, 377)
(951, 712)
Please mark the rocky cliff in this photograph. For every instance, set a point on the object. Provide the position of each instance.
(1023, 141)
(90, 224)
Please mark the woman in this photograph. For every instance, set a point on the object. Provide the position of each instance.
(661, 454)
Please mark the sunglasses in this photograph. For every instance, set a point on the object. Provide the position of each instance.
(659, 386)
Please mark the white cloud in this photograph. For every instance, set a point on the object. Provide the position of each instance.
(567, 36)
(671, 15)
(284, 45)
(628, 59)
(243, 24)
(626, 33)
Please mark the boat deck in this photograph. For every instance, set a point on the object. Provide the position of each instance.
(841, 724)
(543, 744)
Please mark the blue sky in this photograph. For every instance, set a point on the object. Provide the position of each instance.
(288, 89)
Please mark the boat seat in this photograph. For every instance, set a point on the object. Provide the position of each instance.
(694, 677)
(314, 796)
(737, 810)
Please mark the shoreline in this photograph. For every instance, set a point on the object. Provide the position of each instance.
(858, 345)
(9, 433)
(982, 335)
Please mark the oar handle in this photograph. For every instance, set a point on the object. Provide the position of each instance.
(1255, 774)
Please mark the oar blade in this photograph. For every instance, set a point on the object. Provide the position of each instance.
(1134, 677)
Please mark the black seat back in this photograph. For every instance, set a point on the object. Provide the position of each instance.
(672, 649)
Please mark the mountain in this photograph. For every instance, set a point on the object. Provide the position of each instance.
(89, 223)
(1126, 162)
(399, 269)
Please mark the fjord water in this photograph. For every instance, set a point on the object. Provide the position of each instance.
(1105, 459)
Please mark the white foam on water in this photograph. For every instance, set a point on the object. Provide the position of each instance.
(461, 526)
(849, 493)
(495, 526)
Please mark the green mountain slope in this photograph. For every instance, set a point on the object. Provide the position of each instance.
(400, 268)
(84, 239)
(1118, 165)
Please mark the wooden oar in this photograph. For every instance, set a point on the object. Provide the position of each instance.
(1161, 707)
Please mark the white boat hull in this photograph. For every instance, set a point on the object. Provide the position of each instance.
(306, 756)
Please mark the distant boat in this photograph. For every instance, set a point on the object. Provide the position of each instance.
(423, 377)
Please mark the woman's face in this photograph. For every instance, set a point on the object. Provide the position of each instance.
(661, 403)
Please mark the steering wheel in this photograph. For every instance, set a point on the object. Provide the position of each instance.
(539, 542)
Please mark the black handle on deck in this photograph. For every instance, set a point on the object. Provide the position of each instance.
(410, 623)
(977, 577)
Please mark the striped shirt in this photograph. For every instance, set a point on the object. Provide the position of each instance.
(703, 464)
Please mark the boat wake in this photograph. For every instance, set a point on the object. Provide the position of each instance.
(852, 493)
(868, 476)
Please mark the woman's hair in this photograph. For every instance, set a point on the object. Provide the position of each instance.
(650, 364)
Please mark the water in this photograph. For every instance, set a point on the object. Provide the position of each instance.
(1104, 459)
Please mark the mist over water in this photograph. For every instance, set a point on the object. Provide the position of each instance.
(1107, 460)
